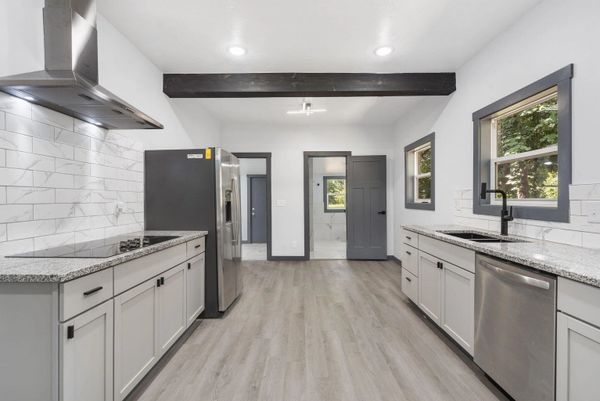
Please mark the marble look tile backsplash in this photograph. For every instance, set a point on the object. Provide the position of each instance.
(61, 179)
(580, 231)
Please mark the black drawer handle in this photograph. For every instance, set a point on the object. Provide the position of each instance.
(440, 265)
(158, 282)
(408, 279)
(70, 332)
(189, 266)
(92, 291)
(408, 252)
(408, 238)
(197, 246)
(162, 281)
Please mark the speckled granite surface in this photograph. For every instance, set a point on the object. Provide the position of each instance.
(576, 263)
(57, 270)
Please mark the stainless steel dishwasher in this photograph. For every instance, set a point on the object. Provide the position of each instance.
(515, 328)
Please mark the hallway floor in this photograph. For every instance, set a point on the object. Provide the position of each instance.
(254, 251)
(320, 331)
(329, 249)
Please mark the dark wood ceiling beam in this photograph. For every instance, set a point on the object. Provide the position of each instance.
(307, 85)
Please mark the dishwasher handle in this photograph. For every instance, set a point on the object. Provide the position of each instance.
(530, 281)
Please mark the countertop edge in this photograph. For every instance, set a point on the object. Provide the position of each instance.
(95, 264)
(505, 254)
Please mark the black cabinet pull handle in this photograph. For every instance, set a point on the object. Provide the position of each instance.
(189, 266)
(408, 238)
(162, 281)
(440, 265)
(198, 246)
(158, 282)
(408, 252)
(70, 332)
(408, 279)
(92, 291)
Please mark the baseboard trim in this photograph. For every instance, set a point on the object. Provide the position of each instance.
(395, 259)
(287, 258)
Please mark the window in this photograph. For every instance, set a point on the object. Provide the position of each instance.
(420, 189)
(523, 147)
(334, 194)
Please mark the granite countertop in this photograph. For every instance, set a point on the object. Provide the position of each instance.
(58, 270)
(576, 263)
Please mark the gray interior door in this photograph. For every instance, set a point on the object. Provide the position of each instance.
(366, 208)
(257, 205)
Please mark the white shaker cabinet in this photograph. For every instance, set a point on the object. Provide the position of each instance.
(86, 361)
(136, 335)
(195, 276)
(430, 286)
(458, 305)
(171, 307)
(577, 360)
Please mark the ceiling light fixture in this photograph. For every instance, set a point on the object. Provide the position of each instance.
(307, 109)
(383, 51)
(237, 50)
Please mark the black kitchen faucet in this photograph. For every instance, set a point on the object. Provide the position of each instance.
(506, 214)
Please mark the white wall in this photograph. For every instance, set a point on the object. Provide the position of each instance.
(549, 37)
(287, 144)
(248, 166)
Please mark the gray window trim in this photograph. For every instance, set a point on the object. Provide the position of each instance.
(481, 171)
(409, 202)
(325, 178)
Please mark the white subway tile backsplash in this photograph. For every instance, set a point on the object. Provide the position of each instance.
(29, 161)
(10, 140)
(51, 117)
(52, 180)
(30, 229)
(60, 179)
(23, 195)
(12, 213)
(14, 105)
(52, 149)
(72, 138)
(72, 167)
(17, 177)
(22, 125)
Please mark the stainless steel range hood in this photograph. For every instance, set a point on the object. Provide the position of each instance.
(69, 82)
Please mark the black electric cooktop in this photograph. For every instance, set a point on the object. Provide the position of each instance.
(103, 248)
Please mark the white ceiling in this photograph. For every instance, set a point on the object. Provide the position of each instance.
(311, 35)
(353, 110)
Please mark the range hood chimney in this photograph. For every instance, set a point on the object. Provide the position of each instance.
(69, 82)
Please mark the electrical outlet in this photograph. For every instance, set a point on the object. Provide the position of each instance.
(594, 212)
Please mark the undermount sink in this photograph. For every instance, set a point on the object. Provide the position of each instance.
(477, 237)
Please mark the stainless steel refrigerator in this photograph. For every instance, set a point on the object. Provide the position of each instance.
(199, 189)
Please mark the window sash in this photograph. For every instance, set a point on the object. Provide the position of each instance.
(329, 206)
(418, 175)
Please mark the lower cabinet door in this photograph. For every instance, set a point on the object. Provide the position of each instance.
(136, 336)
(430, 286)
(458, 305)
(194, 280)
(86, 355)
(171, 307)
(577, 360)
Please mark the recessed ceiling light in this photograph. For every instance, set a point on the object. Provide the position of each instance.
(383, 51)
(237, 50)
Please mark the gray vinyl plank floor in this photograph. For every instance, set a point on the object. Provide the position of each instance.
(320, 331)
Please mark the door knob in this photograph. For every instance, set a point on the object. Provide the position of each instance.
(381, 212)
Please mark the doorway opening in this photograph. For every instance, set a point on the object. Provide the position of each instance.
(255, 185)
(325, 205)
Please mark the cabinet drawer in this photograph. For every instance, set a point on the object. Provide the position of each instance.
(410, 259)
(84, 293)
(195, 247)
(458, 256)
(132, 273)
(579, 300)
(410, 238)
(410, 285)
